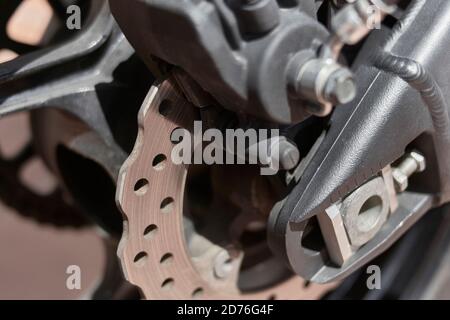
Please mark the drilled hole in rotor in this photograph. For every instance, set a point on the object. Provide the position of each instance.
(159, 162)
(30, 22)
(272, 297)
(150, 231)
(165, 107)
(197, 293)
(35, 175)
(140, 258)
(306, 284)
(166, 259)
(141, 187)
(167, 205)
(167, 284)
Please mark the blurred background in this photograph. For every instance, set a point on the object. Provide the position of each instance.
(34, 258)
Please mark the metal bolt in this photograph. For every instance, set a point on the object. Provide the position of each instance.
(340, 87)
(280, 150)
(412, 163)
(289, 155)
(321, 81)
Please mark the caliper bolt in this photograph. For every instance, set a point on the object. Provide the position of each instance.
(412, 163)
(340, 87)
(278, 152)
(322, 82)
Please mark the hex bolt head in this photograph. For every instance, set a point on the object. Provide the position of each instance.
(420, 160)
(412, 163)
(400, 180)
(320, 81)
(340, 87)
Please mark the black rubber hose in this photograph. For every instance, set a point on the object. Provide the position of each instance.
(423, 81)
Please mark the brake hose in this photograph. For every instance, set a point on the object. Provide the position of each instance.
(413, 73)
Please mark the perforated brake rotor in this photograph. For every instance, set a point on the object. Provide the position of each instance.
(153, 250)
